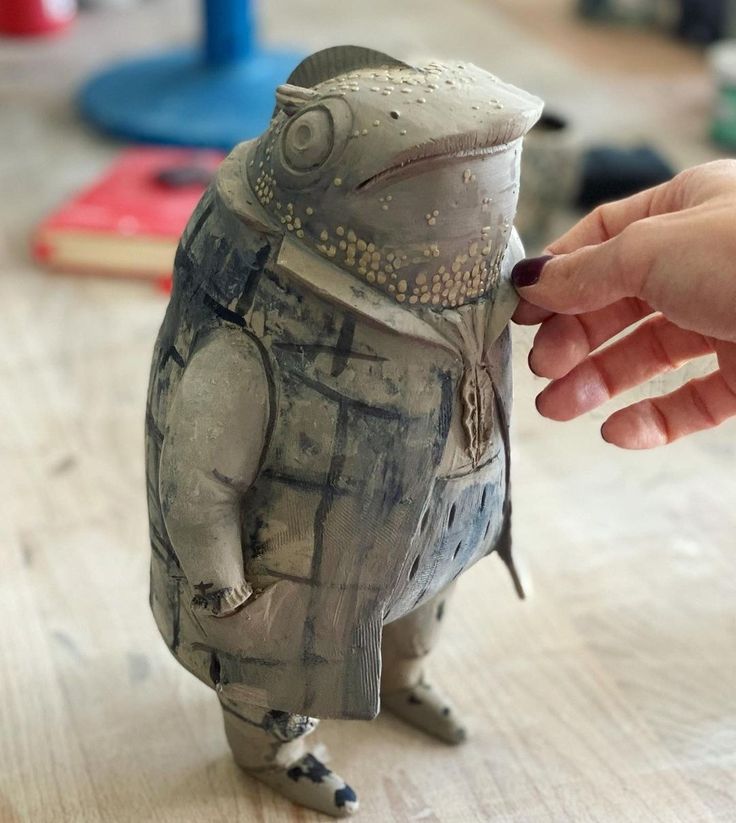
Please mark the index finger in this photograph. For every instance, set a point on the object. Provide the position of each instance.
(609, 220)
(527, 314)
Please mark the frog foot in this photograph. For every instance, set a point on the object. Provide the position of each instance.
(425, 708)
(308, 782)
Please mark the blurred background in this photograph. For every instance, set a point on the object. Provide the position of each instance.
(612, 694)
(635, 89)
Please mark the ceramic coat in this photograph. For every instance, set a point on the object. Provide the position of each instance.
(327, 427)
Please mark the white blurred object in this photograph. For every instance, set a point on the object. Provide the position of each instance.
(60, 9)
(723, 61)
(722, 58)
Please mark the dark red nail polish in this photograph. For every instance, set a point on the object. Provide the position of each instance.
(527, 272)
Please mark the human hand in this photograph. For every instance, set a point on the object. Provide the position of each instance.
(667, 255)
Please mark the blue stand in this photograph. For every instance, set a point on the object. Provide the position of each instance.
(214, 98)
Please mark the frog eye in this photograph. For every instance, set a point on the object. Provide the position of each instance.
(309, 139)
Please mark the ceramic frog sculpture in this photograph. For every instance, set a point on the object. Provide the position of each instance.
(327, 422)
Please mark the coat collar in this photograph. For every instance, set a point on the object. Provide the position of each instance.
(468, 331)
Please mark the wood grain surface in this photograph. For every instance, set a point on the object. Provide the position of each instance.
(610, 696)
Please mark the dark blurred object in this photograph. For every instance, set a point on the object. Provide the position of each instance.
(703, 21)
(558, 173)
(622, 11)
(175, 177)
(597, 9)
(26, 18)
(611, 173)
(550, 177)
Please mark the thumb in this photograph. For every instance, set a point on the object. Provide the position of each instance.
(585, 280)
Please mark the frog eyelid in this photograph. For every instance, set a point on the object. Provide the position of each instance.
(291, 99)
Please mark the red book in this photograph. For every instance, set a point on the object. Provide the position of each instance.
(129, 222)
(29, 17)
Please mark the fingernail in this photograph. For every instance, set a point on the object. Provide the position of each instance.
(527, 272)
(529, 361)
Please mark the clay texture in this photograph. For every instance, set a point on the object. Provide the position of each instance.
(327, 423)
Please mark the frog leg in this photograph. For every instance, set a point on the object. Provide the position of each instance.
(406, 691)
(269, 745)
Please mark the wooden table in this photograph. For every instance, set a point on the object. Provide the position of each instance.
(610, 696)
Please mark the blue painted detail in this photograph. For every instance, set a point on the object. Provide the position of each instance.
(343, 796)
(311, 768)
(179, 99)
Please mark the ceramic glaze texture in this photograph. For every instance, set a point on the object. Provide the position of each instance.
(408, 177)
(327, 422)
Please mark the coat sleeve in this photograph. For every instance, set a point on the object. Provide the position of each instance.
(213, 442)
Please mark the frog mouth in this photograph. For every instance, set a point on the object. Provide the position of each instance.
(437, 153)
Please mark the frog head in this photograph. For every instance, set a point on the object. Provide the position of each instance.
(406, 177)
